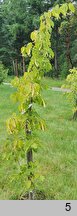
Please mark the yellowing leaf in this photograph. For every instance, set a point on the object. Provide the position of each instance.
(37, 65)
(15, 82)
(42, 125)
(64, 9)
(43, 102)
(52, 53)
(55, 11)
(28, 48)
(33, 91)
(42, 26)
(71, 7)
(34, 35)
(23, 51)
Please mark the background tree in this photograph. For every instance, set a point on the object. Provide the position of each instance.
(17, 21)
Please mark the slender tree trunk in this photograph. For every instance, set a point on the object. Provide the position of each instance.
(68, 55)
(56, 50)
(20, 68)
(23, 60)
(29, 158)
(56, 62)
(16, 67)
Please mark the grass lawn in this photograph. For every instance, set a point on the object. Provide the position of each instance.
(57, 156)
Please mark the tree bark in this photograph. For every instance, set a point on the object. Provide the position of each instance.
(56, 49)
(56, 61)
(23, 60)
(68, 55)
(16, 67)
(29, 158)
(21, 68)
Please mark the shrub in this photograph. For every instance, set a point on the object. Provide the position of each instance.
(3, 72)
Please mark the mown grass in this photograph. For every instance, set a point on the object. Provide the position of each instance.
(57, 156)
(6, 108)
(49, 82)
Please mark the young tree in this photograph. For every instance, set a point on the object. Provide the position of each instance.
(22, 126)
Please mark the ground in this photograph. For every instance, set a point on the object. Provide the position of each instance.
(57, 156)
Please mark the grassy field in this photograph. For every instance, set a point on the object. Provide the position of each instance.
(58, 155)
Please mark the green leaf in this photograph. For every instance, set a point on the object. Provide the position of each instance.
(71, 7)
(52, 24)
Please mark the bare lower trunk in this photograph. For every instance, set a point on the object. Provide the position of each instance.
(29, 160)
